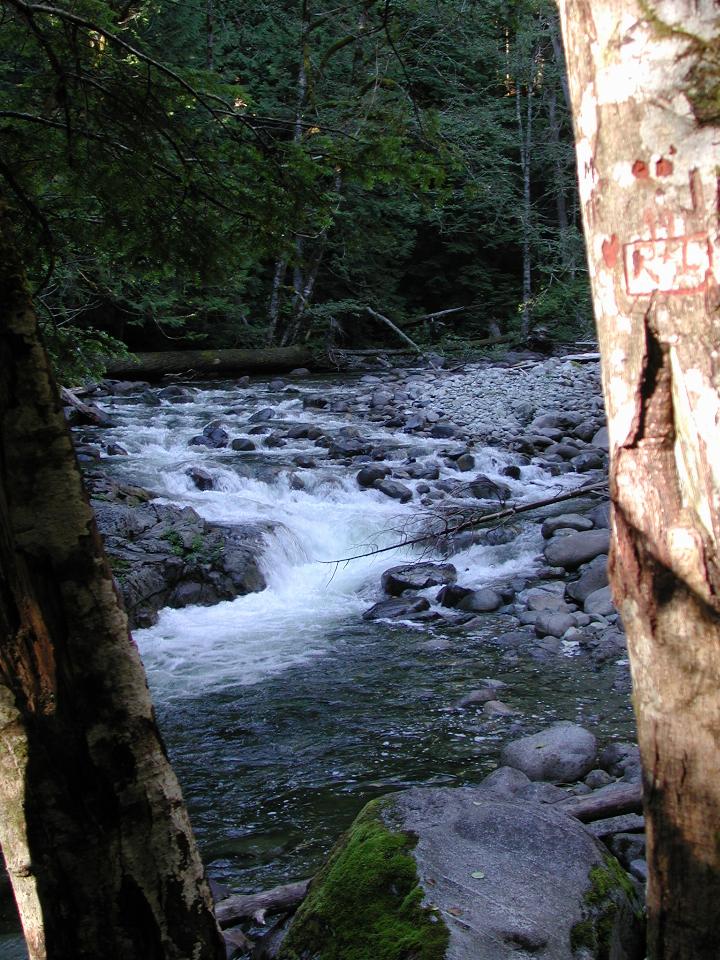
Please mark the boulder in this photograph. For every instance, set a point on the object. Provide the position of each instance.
(401, 608)
(553, 624)
(369, 475)
(201, 478)
(417, 576)
(443, 873)
(600, 603)
(570, 521)
(394, 489)
(260, 416)
(163, 555)
(483, 488)
(562, 753)
(242, 444)
(592, 578)
(577, 548)
(484, 600)
(601, 439)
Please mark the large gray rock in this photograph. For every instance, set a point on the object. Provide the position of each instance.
(570, 521)
(484, 600)
(600, 603)
(577, 548)
(163, 555)
(394, 489)
(417, 576)
(591, 579)
(500, 880)
(563, 753)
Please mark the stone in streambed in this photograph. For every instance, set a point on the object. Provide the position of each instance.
(600, 603)
(551, 624)
(401, 608)
(577, 548)
(417, 576)
(485, 600)
(592, 578)
(241, 444)
(483, 488)
(266, 413)
(451, 595)
(368, 476)
(570, 521)
(201, 478)
(563, 753)
(394, 489)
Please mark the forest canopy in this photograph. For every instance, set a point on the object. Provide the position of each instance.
(199, 173)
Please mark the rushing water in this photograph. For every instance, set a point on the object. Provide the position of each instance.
(284, 711)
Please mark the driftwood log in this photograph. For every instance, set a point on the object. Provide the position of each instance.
(254, 906)
(610, 801)
(210, 363)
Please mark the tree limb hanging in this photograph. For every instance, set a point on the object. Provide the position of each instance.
(478, 521)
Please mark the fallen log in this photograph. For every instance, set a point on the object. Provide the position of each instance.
(209, 363)
(254, 906)
(610, 801)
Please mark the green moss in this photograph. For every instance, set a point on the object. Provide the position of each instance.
(609, 885)
(118, 565)
(366, 902)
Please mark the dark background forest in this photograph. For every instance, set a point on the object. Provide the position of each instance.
(203, 173)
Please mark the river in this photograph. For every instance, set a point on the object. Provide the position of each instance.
(284, 711)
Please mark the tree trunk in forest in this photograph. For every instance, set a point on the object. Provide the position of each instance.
(210, 363)
(92, 823)
(643, 83)
(525, 140)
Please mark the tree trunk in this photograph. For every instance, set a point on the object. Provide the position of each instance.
(92, 823)
(644, 90)
(525, 142)
(210, 363)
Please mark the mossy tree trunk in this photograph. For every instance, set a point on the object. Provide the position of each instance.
(644, 79)
(92, 822)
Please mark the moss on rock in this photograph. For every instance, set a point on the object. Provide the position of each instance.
(366, 902)
(610, 889)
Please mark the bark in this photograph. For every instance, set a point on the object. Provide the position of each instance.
(643, 84)
(210, 363)
(92, 823)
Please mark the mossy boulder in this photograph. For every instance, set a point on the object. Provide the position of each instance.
(367, 903)
(443, 874)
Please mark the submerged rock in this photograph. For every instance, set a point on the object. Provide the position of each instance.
(399, 609)
(450, 873)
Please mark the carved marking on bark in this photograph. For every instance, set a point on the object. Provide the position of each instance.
(610, 250)
(677, 266)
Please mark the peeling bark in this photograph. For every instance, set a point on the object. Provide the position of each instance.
(92, 823)
(647, 165)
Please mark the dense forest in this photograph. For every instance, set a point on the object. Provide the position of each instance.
(198, 174)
